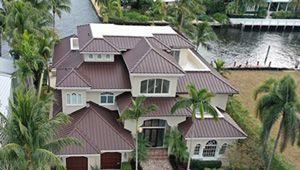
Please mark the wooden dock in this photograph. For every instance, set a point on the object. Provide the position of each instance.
(265, 23)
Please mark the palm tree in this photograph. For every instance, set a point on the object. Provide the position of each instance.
(204, 33)
(135, 112)
(176, 145)
(279, 102)
(29, 137)
(220, 66)
(58, 6)
(296, 4)
(110, 8)
(199, 102)
(183, 12)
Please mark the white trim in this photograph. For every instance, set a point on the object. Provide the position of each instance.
(114, 53)
(111, 90)
(155, 75)
(73, 88)
(85, 155)
(231, 138)
(72, 45)
(121, 151)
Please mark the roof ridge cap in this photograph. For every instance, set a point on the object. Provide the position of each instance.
(83, 79)
(87, 141)
(239, 129)
(62, 59)
(140, 60)
(119, 134)
(57, 84)
(111, 44)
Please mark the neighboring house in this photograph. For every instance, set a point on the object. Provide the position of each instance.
(97, 72)
(7, 70)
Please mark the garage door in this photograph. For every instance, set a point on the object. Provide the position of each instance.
(111, 160)
(77, 163)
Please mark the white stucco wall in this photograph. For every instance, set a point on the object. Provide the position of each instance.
(190, 62)
(192, 144)
(171, 121)
(136, 85)
(94, 96)
(67, 109)
(220, 100)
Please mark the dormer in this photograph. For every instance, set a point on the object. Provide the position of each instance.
(153, 72)
(74, 43)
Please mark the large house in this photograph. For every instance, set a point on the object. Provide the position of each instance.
(98, 72)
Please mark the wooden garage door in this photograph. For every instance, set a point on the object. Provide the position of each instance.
(111, 160)
(77, 163)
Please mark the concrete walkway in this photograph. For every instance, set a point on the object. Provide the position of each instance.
(156, 165)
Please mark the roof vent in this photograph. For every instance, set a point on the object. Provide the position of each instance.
(74, 44)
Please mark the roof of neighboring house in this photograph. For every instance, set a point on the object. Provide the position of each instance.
(164, 104)
(210, 128)
(98, 130)
(204, 79)
(96, 75)
(148, 58)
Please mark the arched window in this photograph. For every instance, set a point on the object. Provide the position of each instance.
(197, 149)
(223, 149)
(155, 86)
(107, 98)
(74, 99)
(210, 149)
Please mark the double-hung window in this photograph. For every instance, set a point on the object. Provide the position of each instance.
(155, 86)
(74, 99)
(107, 98)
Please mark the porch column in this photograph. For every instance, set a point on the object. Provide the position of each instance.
(287, 6)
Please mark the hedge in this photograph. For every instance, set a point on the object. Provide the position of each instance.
(201, 165)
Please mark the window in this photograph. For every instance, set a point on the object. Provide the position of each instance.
(157, 86)
(99, 56)
(210, 149)
(74, 99)
(107, 98)
(197, 149)
(91, 56)
(223, 149)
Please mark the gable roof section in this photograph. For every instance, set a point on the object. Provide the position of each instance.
(174, 40)
(84, 35)
(123, 42)
(204, 79)
(148, 58)
(72, 59)
(164, 105)
(73, 79)
(61, 49)
(98, 129)
(210, 128)
(100, 45)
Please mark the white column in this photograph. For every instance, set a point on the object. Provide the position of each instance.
(269, 7)
(287, 6)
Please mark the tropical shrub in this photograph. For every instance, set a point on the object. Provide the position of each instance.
(215, 6)
(177, 146)
(262, 12)
(221, 18)
(126, 166)
(134, 16)
(201, 165)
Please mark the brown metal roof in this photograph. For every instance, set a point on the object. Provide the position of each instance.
(106, 75)
(204, 79)
(164, 104)
(174, 40)
(72, 59)
(84, 35)
(97, 75)
(123, 42)
(98, 130)
(62, 48)
(210, 128)
(148, 58)
(57, 105)
(72, 79)
(100, 45)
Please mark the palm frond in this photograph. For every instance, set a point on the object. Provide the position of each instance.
(264, 88)
(180, 104)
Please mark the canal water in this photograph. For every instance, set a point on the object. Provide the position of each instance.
(234, 45)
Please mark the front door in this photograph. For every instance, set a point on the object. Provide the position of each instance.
(154, 132)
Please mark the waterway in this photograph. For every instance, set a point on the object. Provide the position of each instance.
(233, 45)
